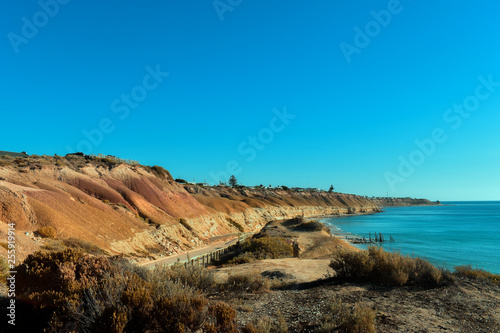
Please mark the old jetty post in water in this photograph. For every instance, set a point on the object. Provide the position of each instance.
(378, 238)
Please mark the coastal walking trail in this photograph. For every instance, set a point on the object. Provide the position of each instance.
(189, 255)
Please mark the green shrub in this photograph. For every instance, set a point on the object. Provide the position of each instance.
(294, 221)
(268, 247)
(310, 226)
(375, 264)
(242, 258)
(47, 232)
(259, 248)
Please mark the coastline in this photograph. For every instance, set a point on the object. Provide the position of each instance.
(345, 236)
(444, 235)
(308, 282)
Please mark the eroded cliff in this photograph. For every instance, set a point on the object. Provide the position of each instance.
(140, 210)
(402, 202)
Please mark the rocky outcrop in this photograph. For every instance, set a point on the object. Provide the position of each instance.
(140, 210)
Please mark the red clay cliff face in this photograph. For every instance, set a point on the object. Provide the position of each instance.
(134, 209)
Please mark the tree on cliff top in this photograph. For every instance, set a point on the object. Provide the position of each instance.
(331, 189)
(233, 181)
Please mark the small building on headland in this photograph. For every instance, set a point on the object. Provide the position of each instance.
(12, 154)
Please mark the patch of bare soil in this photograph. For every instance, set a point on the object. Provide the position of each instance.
(463, 307)
(294, 269)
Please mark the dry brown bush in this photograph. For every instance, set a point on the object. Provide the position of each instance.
(375, 264)
(4, 268)
(246, 282)
(53, 245)
(341, 318)
(225, 317)
(83, 245)
(267, 325)
(477, 274)
(74, 291)
(47, 232)
(192, 276)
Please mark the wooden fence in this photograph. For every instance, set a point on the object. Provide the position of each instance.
(207, 258)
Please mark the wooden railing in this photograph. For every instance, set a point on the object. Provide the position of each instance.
(207, 258)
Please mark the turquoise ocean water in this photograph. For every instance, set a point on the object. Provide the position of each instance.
(456, 233)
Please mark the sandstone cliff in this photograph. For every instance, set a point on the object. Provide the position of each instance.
(140, 210)
(402, 202)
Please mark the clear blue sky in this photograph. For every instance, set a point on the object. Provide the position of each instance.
(358, 82)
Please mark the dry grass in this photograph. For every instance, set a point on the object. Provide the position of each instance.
(225, 317)
(47, 232)
(54, 245)
(375, 264)
(86, 247)
(341, 318)
(4, 268)
(192, 276)
(477, 274)
(244, 282)
(268, 325)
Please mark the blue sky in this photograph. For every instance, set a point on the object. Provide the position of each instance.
(284, 93)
